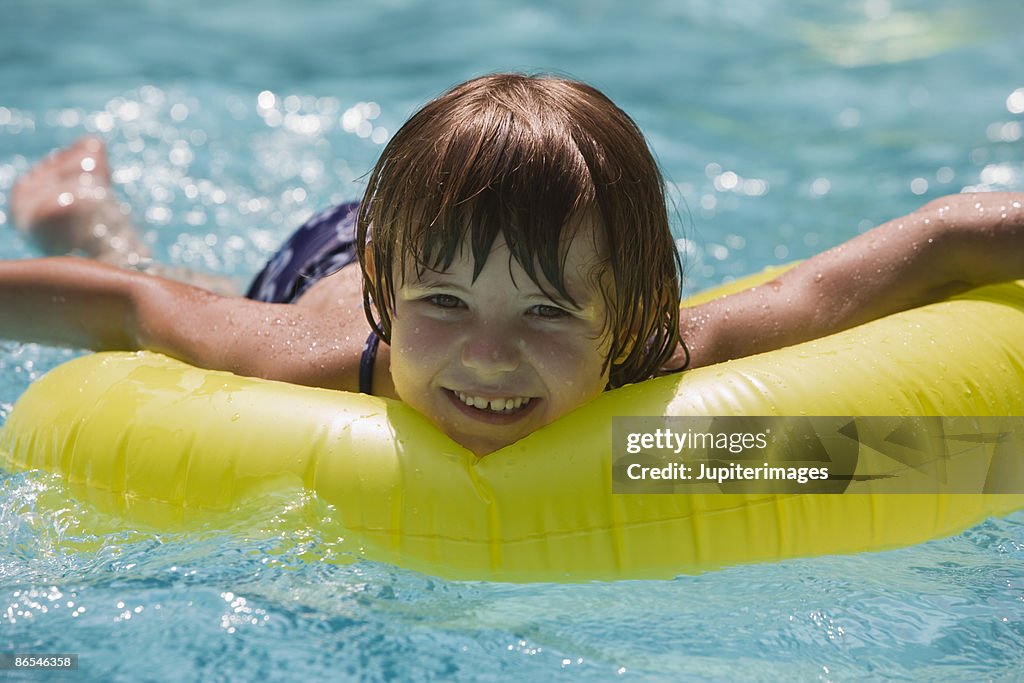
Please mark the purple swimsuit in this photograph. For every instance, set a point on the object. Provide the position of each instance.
(321, 246)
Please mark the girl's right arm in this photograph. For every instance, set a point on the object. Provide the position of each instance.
(81, 303)
(67, 302)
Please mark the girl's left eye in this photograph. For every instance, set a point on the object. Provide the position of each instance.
(549, 312)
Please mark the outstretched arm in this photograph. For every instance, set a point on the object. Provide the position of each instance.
(948, 246)
(76, 302)
(67, 302)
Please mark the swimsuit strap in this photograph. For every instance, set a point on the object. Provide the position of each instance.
(366, 362)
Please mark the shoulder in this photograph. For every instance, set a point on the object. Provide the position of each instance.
(338, 300)
(340, 293)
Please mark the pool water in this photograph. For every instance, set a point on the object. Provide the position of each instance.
(783, 129)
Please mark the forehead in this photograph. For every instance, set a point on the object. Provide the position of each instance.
(577, 262)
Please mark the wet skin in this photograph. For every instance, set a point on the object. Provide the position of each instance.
(501, 344)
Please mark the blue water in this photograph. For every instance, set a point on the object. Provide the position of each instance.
(783, 128)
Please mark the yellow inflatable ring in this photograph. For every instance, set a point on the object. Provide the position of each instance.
(164, 442)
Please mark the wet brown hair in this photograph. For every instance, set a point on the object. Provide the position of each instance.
(524, 157)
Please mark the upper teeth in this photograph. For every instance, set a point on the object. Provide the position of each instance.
(495, 404)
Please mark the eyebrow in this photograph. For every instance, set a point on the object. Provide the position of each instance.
(428, 283)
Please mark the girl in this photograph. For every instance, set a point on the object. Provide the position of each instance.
(515, 259)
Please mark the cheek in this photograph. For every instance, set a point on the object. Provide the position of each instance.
(419, 346)
(572, 362)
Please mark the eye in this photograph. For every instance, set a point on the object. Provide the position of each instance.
(549, 312)
(444, 300)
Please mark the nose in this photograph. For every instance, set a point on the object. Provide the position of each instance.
(490, 349)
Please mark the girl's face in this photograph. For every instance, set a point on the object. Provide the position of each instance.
(490, 361)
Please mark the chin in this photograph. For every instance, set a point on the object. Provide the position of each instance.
(480, 439)
(481, 446)
(481, 449)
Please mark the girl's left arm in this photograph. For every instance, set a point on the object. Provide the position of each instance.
(948, 246)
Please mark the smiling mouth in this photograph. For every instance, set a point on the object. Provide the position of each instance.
(496, 410)
(494, 405)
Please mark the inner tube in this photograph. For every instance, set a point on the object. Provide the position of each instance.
(163, 444)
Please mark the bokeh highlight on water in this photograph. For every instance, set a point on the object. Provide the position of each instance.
(783, 129)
